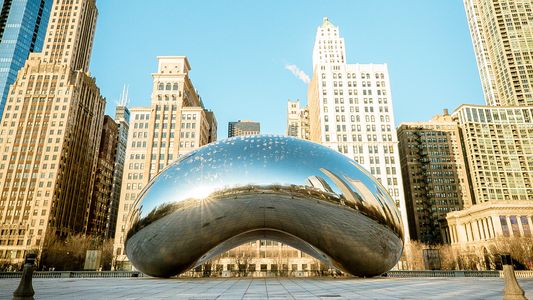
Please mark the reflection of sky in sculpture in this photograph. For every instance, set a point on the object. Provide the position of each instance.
(261, 160)
(264, 187)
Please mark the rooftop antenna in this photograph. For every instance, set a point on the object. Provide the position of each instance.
(123, 99)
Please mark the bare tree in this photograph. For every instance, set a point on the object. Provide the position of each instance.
(243, 258)
(520, 248)
(69, 254)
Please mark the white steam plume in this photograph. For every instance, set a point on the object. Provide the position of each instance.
(298, 73)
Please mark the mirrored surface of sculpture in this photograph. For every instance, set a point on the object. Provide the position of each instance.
(264, 187)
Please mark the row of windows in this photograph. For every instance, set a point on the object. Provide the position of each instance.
(369, 128)
(359, 137)
(8, 232)
(135, 175)
(355, 92)
(375, 160)
(167, 87)
(356, 101)
(157, 125)
(353, 76)
(389, 170)
(188, 134)
(154, 144)
(133, 186)
(371, 149)
(354, 84)
(142, 116)
(357, 118)
(21, 194)
(29, 158)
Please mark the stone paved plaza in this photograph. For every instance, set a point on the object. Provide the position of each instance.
(267, 288)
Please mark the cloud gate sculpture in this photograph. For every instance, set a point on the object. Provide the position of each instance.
(264, 187)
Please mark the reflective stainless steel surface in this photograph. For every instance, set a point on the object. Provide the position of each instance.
(264, 187)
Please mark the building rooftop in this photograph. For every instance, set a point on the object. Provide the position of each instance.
(327, 24)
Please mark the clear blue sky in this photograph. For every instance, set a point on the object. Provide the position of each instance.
(238, 51)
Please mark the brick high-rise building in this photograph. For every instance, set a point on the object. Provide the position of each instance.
(122, 118)
(103, 182)
(175, 124)
(435, 178)
(50, 135)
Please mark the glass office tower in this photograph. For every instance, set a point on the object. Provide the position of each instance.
(22, 30)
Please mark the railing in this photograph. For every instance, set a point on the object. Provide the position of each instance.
(392, 274)
(75, 274)
(255, 274)
(453, 273)
(521, 274)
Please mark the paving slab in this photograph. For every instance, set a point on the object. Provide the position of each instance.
(267, 288)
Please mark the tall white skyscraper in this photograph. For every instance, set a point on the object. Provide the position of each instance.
(350, 110)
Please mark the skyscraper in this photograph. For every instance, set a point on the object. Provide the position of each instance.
(243, 127)
(22, 31)
(498, 144)
(175, 124)
(122, 118)
(503, 46)
(350, 110)
(103, 181)
(50, 135)
(434, 174)
(496, 138)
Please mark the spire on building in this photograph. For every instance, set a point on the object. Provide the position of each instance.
(123, 99)
(327, 24)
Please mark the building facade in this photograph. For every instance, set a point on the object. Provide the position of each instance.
(434, 174)
(490, 220)
(103, 181)
(297, 120)
(122, 118)
(243, 127)
(498, 150)
(350, 111)
(22, 31)
(483, 231)
(502, 42)
(175, 124)
(50, 134)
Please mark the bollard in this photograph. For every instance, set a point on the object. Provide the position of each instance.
(512, 289)
(25, 288)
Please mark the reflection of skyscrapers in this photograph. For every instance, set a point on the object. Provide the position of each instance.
(350, 110)
(364, 191)
(22, 31)
(54, 115)
(175, 124)
(345, 189)
(319, 183)
(243, 127)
